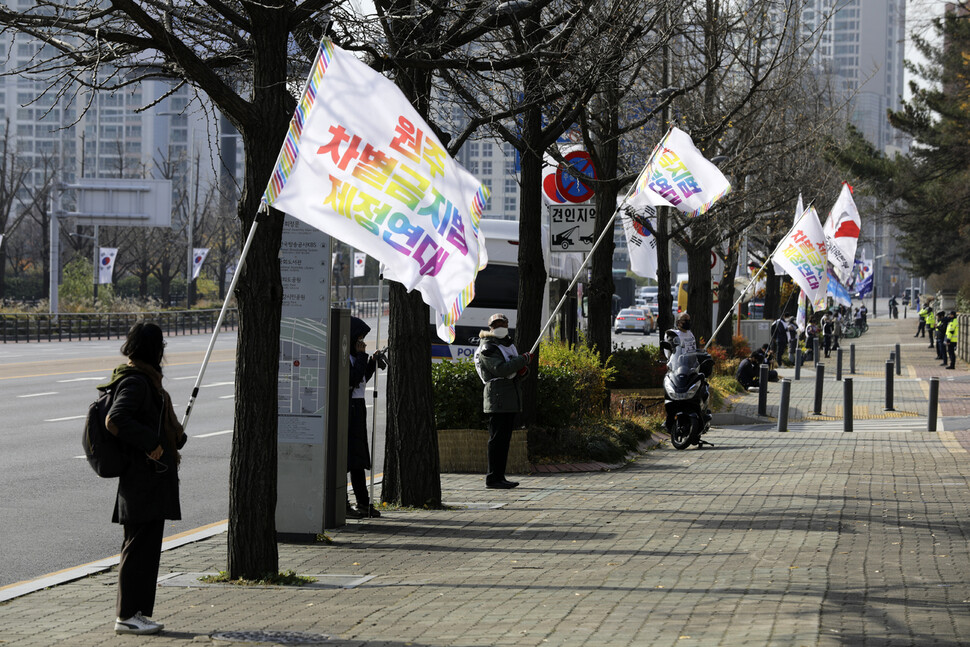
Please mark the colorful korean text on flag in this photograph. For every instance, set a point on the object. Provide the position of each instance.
(802, 254)
(360, 164)
(842, 233)
(641, 244)
(360, 264)
(198, 258)
(106, 263)
(680, 176)
(838, 291)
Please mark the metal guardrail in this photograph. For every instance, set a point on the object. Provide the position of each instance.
(38, 327)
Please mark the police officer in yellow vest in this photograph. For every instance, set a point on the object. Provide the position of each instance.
(930, 324)
(952, 334)
(921, 331)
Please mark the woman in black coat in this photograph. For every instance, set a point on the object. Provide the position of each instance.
(142, 416)
(362, 369)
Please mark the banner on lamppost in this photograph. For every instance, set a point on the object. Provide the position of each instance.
(360, 264)
(106, 263)
(198, 258)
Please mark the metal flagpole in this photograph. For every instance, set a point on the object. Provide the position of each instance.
(373, 425)
(222, 315)
(755, 277)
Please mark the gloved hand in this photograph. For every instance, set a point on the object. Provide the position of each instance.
(522, 372)
(528, 357)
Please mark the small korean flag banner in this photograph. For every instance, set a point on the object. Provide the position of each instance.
(106, 264)
(198, 258)
(360, 260)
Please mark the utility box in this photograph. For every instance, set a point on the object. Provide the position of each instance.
(757, 332)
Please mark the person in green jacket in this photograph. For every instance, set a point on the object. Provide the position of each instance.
(930, 323)
(952, 335)
(501, 367)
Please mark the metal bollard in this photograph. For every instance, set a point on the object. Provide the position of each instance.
(852, 359)
(819, 377)
(838, 365)
(763, 390)
(934, 403)
(798, 364)
(899, 362)
(889, 386)
(815, 350)
(847, 404)
(783, 405)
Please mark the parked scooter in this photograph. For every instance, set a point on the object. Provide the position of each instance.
(686, 393)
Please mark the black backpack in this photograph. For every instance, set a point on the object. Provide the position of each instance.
(103, 449)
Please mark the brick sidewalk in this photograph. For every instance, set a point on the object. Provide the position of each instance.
(814, 537)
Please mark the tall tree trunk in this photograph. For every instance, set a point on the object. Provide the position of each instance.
(252, 550)
(726, 294)
(665, 301)
(411, 467)
(700, 301)
(532, 272)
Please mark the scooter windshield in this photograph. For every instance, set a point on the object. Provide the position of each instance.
(682, 364)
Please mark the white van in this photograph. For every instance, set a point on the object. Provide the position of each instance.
(496, 290)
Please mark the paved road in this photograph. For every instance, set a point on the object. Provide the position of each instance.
(55, 513)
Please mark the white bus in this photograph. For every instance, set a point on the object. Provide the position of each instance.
(496, 290)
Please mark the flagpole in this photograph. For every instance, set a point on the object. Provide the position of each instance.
(755, 277)
(606, 229)
(373, 421)
(222, 315)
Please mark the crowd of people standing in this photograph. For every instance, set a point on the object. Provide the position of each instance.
(944, 330)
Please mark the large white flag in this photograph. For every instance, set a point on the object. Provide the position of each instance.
(198, 258)
(802, 254)
(842, 233)
(779, 270)
(677, 174)
(641, 244)
(106, 263)
(360, 164)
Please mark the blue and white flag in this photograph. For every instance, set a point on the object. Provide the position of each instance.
(838, 291)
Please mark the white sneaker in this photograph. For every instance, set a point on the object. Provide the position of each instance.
(137, 624)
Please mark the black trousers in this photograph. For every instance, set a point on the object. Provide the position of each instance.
(141, 552)
(358, 479)
(951, 350)
(499, 436)
(921, 331)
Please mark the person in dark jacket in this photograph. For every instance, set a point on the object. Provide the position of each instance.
(362, 368)
(142, 417)
(500, 367)
(748, 369)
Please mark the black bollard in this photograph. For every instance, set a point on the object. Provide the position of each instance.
(889, 386)
(783, 405)
(899, 362)
(798, 364)
(838, 365)
(819, 378)
(852, 359)
(763, 391)
(934, 403)
(847, 404)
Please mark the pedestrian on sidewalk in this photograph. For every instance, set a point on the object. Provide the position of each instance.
(792, 340)
(501, 368)
(143, 418)
(921, 329)
(930, 321)
(952, 335)
(941, 322)
(362, 368)
(828, 332)
(779, 337)
(811, 331)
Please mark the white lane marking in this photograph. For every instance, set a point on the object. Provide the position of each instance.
(82, 379)
(188, 377)
(37, 395)
(214, 433)
(226, 397)
(204, 386)
(63, 419)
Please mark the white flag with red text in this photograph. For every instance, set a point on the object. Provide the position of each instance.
(359, 163)
(842, 233)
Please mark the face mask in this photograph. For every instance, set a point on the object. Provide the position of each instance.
(501, 333)
(685, 325)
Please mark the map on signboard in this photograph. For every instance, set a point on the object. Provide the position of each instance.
(303, 366)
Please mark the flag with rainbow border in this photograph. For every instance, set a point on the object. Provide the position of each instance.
(360, 164)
